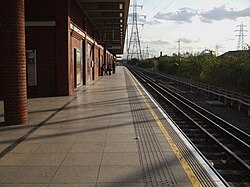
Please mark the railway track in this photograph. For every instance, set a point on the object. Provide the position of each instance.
(226, 148)
(230, 98)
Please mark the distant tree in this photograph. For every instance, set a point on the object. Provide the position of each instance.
(231, 70)
(133, 61)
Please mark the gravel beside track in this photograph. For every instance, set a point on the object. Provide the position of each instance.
(237, 118)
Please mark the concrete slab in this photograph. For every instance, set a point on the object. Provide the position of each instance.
(79, 159)
(121, 147)
(26, 148)
(25, 185)
(31, 175)
(5, 173)
(123, 138)
(76, 174)
(44, 159)
(87, 147)
(84, 138)
(120, 174)
(53, 148)
(73, 185)
(4, 145)
(53, 136)
(121, 129)
(120, 159)
(13, 159)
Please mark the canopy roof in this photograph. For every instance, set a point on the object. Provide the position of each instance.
(110, 19)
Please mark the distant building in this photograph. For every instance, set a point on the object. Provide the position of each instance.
(207, 52)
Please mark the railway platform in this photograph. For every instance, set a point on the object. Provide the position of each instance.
(108, 134)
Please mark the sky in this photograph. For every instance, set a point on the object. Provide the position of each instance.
(197, 24)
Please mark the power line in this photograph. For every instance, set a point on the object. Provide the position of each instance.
(155, 7)
(168, 5)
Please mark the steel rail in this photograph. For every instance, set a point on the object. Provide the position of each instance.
(204, 130)
(244, 139)
(152, 84)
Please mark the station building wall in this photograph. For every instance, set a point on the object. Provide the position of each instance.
(101, 58)
(1, 73)
(49, 32)
(96, 61)
(46, 32)
(42, 40)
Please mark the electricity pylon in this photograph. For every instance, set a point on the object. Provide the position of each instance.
(179, 47)
(134, 47)
(241, 35)
(146, 53)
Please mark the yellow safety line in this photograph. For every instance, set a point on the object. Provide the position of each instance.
(192, 177)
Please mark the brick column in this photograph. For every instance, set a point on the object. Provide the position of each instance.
(14, 62)
(62, 51)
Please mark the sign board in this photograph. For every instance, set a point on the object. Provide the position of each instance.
(31, 67)
(78, 67)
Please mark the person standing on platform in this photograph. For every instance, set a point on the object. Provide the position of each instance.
(113, 66)
(104, 70)
(109, 68)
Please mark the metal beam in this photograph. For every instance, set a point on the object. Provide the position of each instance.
(105, 11)
(105, 18)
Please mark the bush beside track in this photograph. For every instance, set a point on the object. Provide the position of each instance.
(229, 71)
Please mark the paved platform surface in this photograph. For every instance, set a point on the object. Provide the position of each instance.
(103, 136)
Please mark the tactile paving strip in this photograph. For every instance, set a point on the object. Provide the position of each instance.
(156, 171)
(199, 171)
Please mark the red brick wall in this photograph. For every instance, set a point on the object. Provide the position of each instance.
(77, 18)
(76, 14)
(1, 73)
(1, 47)
(96, 56)
(101, 57)
(89, 28)
(1, 60)
(75, 43)
(62, 44)
(40, 10)
(14, 62)
(43, 40)
(91, 57)
(55, 63)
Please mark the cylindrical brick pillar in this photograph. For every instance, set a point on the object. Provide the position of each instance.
(14, 62)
